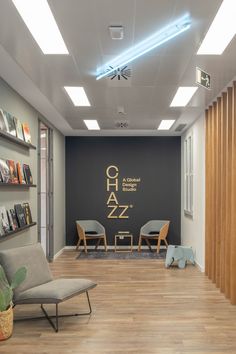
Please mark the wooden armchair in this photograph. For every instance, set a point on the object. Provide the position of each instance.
(89, 230)
(154, 230)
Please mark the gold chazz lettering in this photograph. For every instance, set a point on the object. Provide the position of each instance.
(121, 215)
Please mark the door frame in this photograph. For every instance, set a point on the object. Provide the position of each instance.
(50, 206)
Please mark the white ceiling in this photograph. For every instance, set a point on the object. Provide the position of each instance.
(155, 77)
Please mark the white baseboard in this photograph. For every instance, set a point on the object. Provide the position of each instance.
(200, 267)
(69, 248)
(58, 253)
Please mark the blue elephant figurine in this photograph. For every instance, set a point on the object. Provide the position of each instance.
(181, 254)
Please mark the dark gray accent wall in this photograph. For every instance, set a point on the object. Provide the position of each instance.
(155, 160)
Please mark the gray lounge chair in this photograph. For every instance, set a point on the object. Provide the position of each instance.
(39, 286)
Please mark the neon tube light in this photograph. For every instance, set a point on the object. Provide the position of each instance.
(150, 43)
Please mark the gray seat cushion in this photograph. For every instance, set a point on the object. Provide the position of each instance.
(93, 235)
(54, 291)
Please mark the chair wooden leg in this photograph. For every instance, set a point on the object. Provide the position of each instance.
(105, 243)
(139, 243)
(166, 243)
(85, 246)
(97, 244)
(158, 245)
(78, 244)
(148, 243)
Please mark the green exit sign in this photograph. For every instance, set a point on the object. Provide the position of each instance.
(203, 78)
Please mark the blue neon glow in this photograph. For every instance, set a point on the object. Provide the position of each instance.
(155, 40)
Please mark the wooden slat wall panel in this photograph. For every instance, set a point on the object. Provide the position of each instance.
(233, 213)
(207, 197)
(223, 189)
(218, 190)
(228, 190)
(214, 221)
(211, 214)
(211, 187)
(221, 193)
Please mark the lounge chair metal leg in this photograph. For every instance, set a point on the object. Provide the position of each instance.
(90, 308)
(55, 325)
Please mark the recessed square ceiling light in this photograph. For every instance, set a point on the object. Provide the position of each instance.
(91, 124)
(39, 19)
(183, 96)
(77, 96)
(116, 32)
(221, 31)
(166, 124)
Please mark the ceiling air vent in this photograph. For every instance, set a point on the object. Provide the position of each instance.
(120, 73)
(180, 127)
(122, 124)
(116, 32)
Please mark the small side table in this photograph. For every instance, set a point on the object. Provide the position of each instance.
(123, 236)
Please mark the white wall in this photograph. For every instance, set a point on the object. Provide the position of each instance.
(193, 228)
(59, 190)
(12, 102)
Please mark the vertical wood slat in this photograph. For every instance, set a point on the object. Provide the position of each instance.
(228, 190)
(233, 212)
(223, 189)
(218, 191)
(210, 194)
(220, 250)
(207, 196)
(213, 191)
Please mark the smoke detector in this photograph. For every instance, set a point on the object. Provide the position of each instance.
(121, 110)
(116, 32)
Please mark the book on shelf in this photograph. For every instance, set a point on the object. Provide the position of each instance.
(20, 174)
(5, 226)
(11, 128)
(19, 131)
(27, 174)
(4, 171)
(20, 215)
(13, 219)
(3, 121)
(26, 131)
(13, 173)
(1, 229)
(27, 211)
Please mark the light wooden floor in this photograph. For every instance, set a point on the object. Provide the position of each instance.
(138, 307)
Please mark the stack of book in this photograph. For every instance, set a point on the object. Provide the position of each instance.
(13, 126)
(15, 173)
(15, 218)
